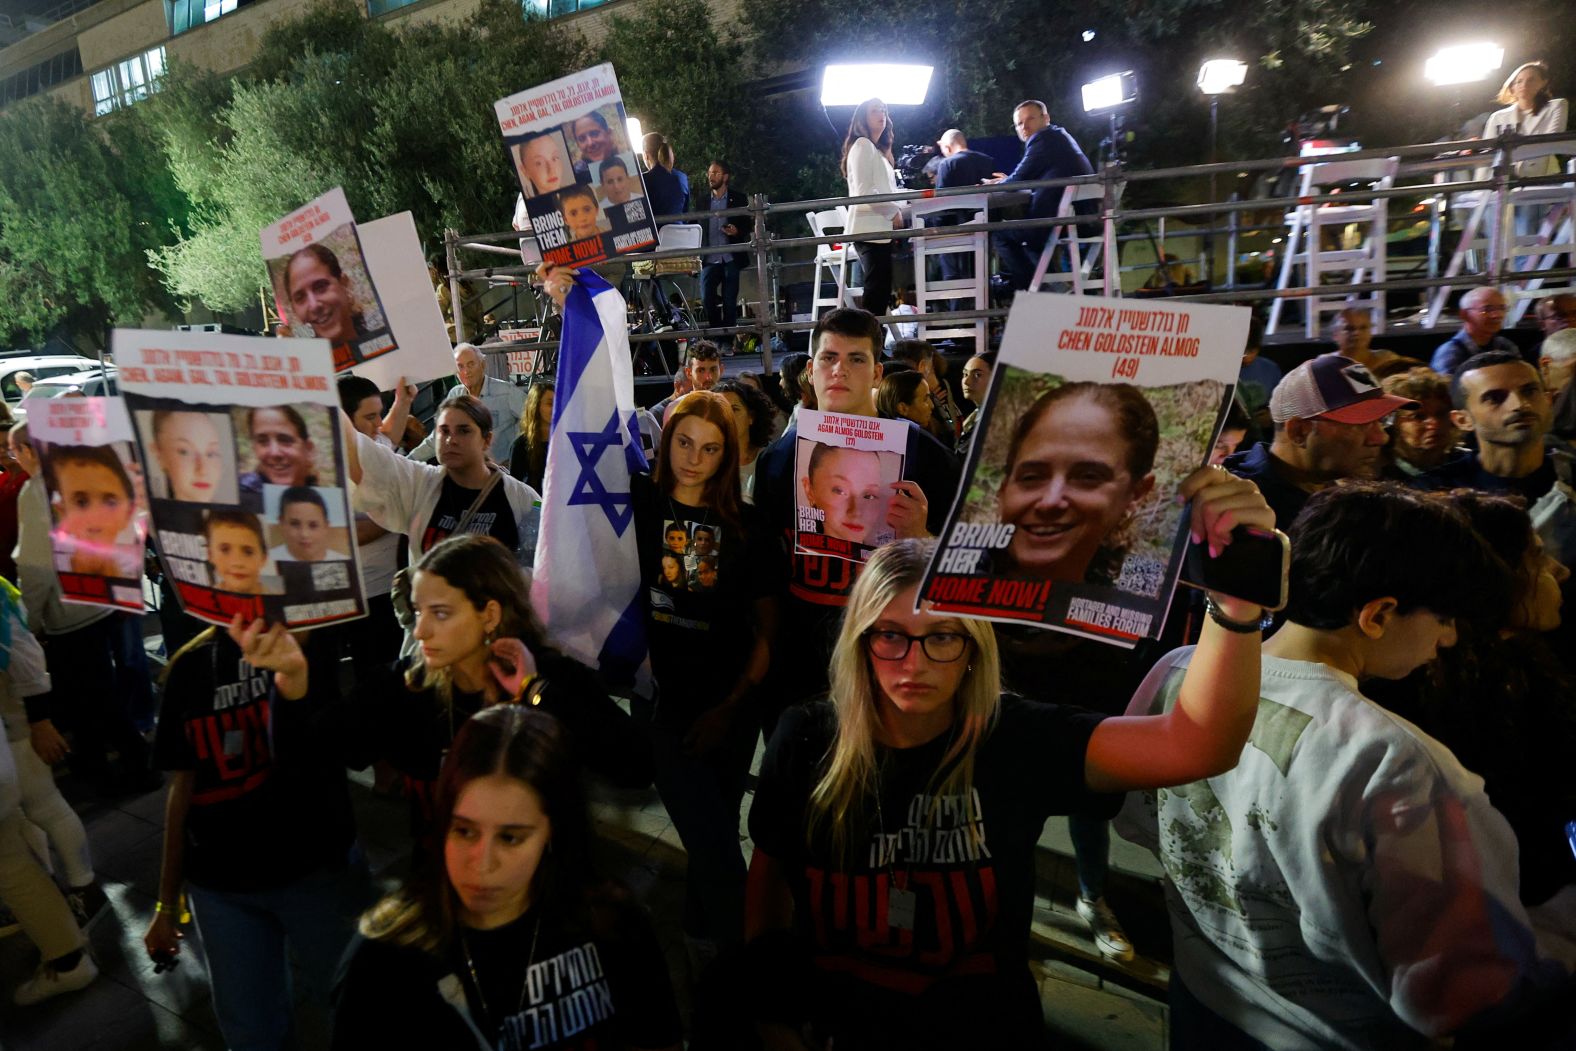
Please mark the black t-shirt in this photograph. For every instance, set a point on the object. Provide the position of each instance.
(269, 804)
(494, 518)
(701, 577)
(818, 585)
(578, 991)
(968, 861)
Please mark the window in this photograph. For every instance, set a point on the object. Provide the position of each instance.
(189, 14)
(383, 7)
(127, 81)
(45, 75)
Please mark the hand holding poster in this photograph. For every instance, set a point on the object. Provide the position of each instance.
(845, 468)
(322, 283)
(1098, 411)
(246, 474)
(97, 498)
(568, 144)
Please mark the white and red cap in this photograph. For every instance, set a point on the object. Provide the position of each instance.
(1335, 388)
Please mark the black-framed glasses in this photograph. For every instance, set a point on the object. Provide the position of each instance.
(943, 647)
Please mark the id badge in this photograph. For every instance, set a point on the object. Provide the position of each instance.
(234, 742)
(900, 908)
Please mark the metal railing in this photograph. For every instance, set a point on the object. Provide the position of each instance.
(766, 252)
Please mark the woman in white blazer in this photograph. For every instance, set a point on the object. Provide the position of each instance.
(1532, 110)
(867, 162)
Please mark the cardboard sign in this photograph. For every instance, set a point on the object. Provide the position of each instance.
(844, 468)
(1097, 411)
(568, 143)
(96, 499)
(246, 478)
(322, 284)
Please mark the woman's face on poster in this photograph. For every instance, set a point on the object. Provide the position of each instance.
(846, 485)
(320, 299)
(284, 454)
(542, 161)
(594, 139)
(1068, 489)
(187, 448)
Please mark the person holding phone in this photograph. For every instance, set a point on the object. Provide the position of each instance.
(922, 789)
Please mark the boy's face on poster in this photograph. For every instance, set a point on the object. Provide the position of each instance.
(677, 540)
(846, 485)
(237, 557)
(580, 216)
(306, 531)
(94, 504)
(705, 542)
(595, 140)
(617, 186)
(284, 456)
(543, 162)
(188, 451)
(1069, 488)
(320, 299)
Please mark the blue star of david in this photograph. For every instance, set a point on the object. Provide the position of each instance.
(589, 447)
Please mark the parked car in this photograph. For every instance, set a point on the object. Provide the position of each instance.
(41, 366)
(94, 382)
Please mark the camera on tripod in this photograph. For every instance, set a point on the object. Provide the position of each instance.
(915, 165)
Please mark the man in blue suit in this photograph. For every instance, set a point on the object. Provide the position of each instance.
(1049, 152)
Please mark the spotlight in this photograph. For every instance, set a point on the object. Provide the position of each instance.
(896, 85)
(1464, 63)
(1118, 89)
(632, 125)
(1219, 76)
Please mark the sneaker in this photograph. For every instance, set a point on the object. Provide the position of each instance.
(88, 904)
(1108, 935)
(48, 982)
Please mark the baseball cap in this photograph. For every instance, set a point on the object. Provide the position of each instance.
(1335, 388)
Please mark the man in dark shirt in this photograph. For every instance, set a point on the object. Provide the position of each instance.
(1482, 313)
(959, 166)
(1049, 152)
(1329, 416)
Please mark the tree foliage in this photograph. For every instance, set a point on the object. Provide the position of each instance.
(76, 208)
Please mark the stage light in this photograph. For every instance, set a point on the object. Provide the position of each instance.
(1118, 89)
(1088, 35)
(896, 85)
(1464, 63)
(1219, 76)
(632, 125)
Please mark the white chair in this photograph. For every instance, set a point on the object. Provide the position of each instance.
(1304, 247)
(832, 258)
(1528, 253)
(957, 242)
(679, 235)
(1083, 252)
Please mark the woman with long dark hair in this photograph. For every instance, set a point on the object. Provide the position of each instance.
(895, 826)
(504, 938)
(866, 162)
(755, 424)
(710, 642)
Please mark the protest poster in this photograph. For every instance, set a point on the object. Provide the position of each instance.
(568, 143)
(844, 468)
(322, 283)
(1066, 518)
(245, 462)
(96, 499)
(399, 272)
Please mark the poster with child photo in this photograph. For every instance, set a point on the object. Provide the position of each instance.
(97, 500)
(568, 142)
(845, 470)
(246, 474)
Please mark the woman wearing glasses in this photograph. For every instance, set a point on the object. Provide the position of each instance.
(892, 885)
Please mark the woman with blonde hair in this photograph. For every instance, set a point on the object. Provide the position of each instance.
(528, 455)
(895, 825)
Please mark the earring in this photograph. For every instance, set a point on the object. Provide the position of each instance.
(487, 640)
(968, 668)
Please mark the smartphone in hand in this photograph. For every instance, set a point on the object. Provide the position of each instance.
(1254, 567)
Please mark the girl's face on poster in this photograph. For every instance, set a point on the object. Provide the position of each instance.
(496, 839)
(1069, 488)
(94, 504)
(188, 451)
(449, 627)
(846, 485)
(696, 450)
(672, 570)
(543, 163)
(237, 557)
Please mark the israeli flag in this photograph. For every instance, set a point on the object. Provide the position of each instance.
(586, 584)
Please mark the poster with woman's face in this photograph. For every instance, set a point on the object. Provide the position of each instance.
(97, 499)
(245, 468)
(321, 282)
(569, 146)
(1097, 411)
(844, 471)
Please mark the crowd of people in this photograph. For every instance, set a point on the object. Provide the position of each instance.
(1359, 801)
